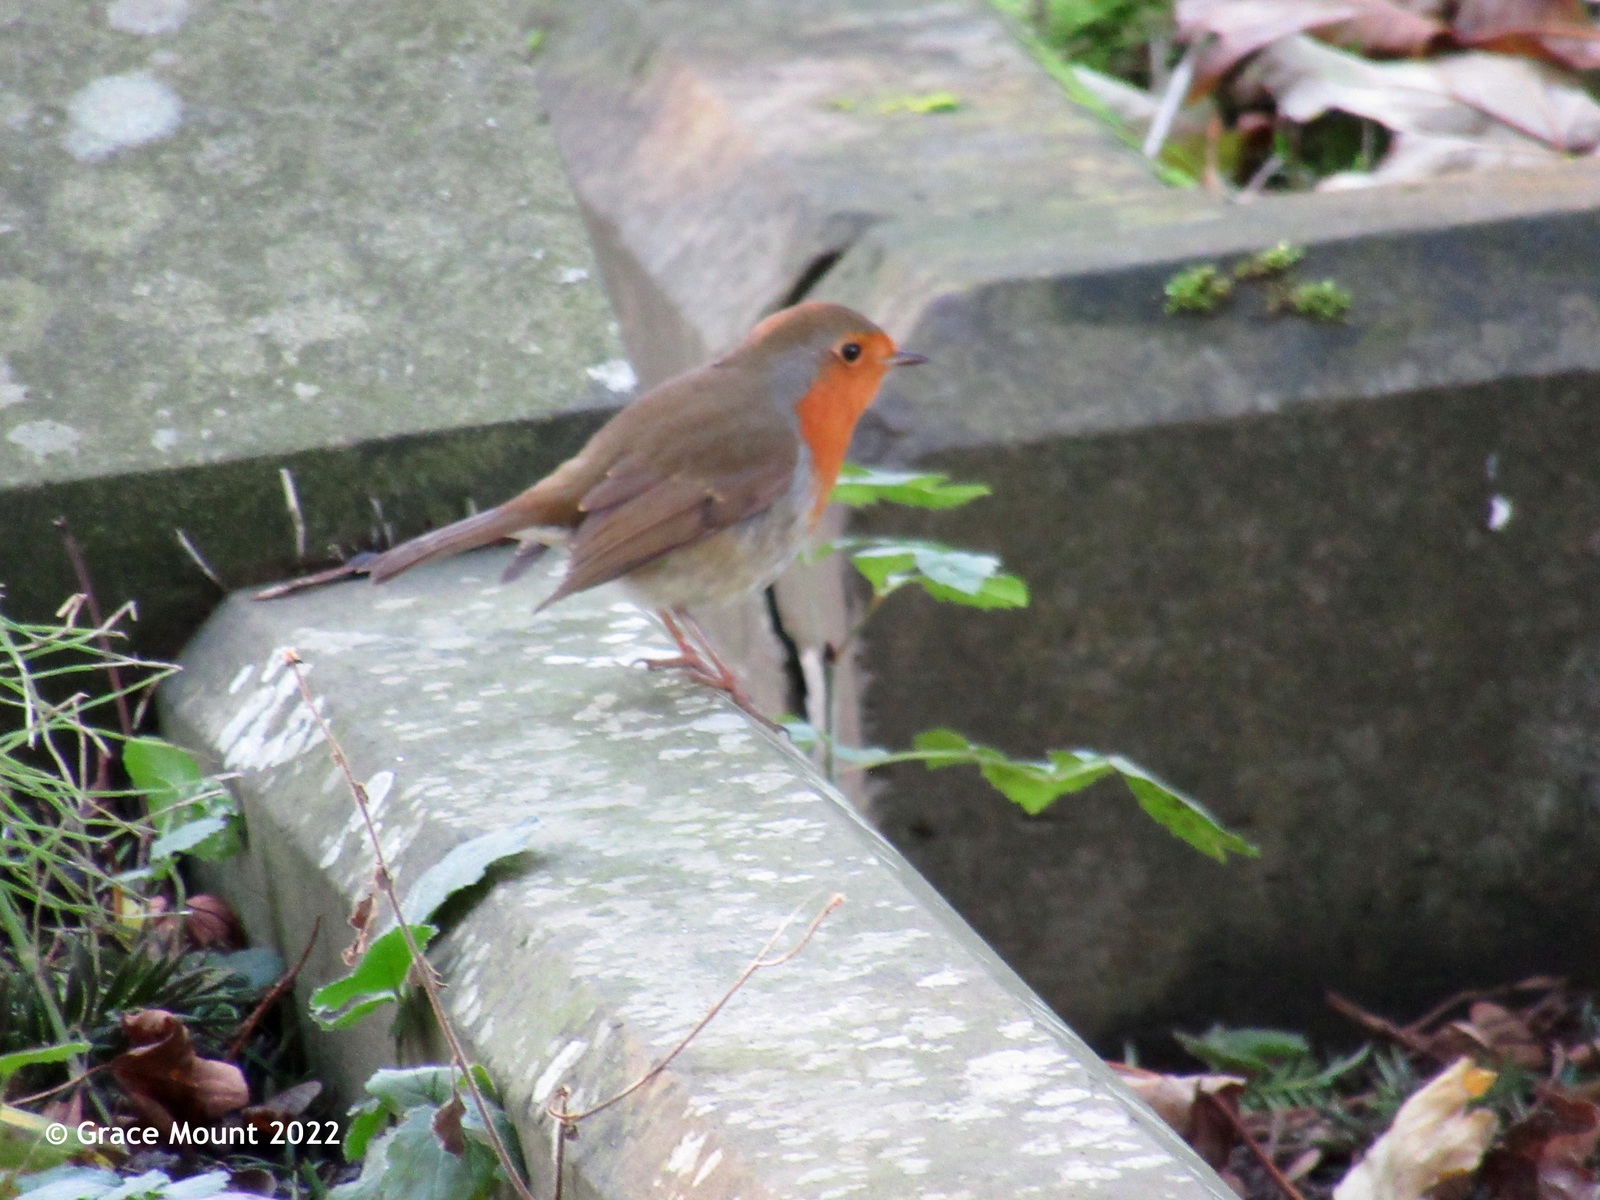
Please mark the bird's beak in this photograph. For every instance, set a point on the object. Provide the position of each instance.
(905, 358)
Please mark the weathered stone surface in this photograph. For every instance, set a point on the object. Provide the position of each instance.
(1260, 546)
(1309, 616)
(1306, 621)
(726, 154)
(894, 1056)
(247, 235)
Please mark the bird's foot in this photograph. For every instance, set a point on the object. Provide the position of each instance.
(702, 665)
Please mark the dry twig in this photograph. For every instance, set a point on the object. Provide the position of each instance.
(423, 971)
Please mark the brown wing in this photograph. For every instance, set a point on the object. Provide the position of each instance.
(635, 515)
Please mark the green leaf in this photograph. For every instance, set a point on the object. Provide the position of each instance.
(10, 1064)
(257, 965)
(409, 1163)
(1247, 1051)
(1181, 816)
(462, 867)
(366, 1119)
(954, 576)
(178, 795)
(185, 838)
(378, 979)
(403, 1089)
(165, 773)
(860, 486)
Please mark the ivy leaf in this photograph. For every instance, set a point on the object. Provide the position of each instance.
(1245, 1051)
(860, 486)
(378, 979)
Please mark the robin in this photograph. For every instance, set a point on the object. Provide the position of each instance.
(703, 489)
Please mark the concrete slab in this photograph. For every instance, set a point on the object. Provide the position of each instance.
(241, 237)
(894, 1056)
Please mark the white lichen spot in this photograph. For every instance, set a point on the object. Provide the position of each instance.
(1010, 1075)
(11, 392)
(557, 1068)
(165, 439)
(712, 1161)
(615, 375)
(119, 111)
(1012, 1030)
(1500, 511)
(1087, 1172)
(147, 16)
(241, 678)
(572, 275)
(685, 1154)
(307, 391)
(44, 438)
(564, 660)
(942, 979)
(296, 326)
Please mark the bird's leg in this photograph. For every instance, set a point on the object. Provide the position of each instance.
(699, 659)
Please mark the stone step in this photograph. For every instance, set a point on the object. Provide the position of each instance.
(894, 1056)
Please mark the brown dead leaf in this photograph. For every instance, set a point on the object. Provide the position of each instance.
(1532, 28)
(1238, 28)
(1464, 112)
(447, 1125)
(166, 1081)
(1176, 1099)
(1433, 1138)
(1493, 1032)
(1545, 1155)
(361, 922)
(209, 921)
(284, 1107)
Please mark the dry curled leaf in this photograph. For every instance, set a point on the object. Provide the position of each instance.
(1235, 29)
(1531, 27)
(1182, 1102)
(1432, 1138)
(209, 921)
(1546, 1155)
(1494, 1032)
(166, 1081)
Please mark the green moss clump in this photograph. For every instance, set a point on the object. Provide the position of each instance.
(1197, 289)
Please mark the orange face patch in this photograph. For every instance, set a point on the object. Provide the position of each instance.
(829, 410)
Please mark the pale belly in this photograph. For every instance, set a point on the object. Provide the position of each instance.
(741, 559)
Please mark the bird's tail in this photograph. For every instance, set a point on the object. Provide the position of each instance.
(477, 530)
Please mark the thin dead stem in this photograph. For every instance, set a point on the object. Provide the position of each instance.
(1261, 1156)
(757, 963)
(423, 970)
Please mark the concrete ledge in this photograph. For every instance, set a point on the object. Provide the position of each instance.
(896, 1056)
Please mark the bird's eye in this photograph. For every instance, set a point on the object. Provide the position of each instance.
(850, 351)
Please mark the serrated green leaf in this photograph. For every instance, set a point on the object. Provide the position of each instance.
(462, 867)
(185, 838)
(1182, 817)
(860, 486)
(378, 979)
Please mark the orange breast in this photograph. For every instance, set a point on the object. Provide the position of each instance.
(828, 415)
